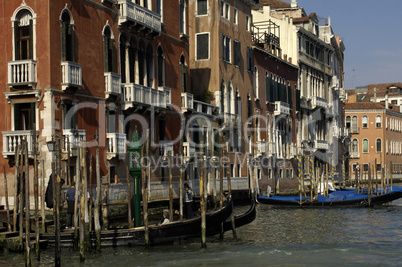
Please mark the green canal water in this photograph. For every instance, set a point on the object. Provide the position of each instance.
(278, 237)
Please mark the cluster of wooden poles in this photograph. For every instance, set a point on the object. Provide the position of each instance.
(368, 180)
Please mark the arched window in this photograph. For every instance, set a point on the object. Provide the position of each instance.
(365, 121)
(347, 122)
(354, 124)
(183, 74)
(108, 48)
(365, 146)
(379, 145)
(23, 35)
(123, 49)
(150, 66)
(132, 55)
(355, 146)
(161, 67)
(67, 37)
(141, 62)
(378, 121)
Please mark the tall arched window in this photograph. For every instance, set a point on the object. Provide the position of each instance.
(365, 121)
(348, 122)
(150, 66)
(67, 37)
(161, 67)
(354, 124)
(355, 147)
(378, 121)
(23, 35)
(132, 57)
(365, 146)
(379, 145)
(108, 49)
(123, 59)
(141, 63)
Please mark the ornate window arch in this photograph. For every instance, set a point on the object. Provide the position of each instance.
(67, 34)
(24, 32)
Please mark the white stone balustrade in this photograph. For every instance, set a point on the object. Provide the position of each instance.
(22, 72)
(13, 138)
(71, 75)
(116, 144)
(112, 84)
(281, 108)
(132, 12)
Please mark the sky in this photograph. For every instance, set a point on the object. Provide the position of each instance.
(372, 33)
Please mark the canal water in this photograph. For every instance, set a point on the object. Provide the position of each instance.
(278, 237)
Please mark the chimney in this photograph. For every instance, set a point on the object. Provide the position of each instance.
(375, 94)
(386, 100)
(329, 21)
(293, 4)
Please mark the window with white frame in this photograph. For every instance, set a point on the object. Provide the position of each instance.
(248, 23)
(236, 53)
(67, 37)
(235, 16)
(182, 15)
(23, 35)
(365, 121)
(202, 46)
(256, 89)
(365, 146)
(161, 67)
(378, 121)
(159, 8)
(379, 145)
(225, 48)
(202, 7)
(225, 10)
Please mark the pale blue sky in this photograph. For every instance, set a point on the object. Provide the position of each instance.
(372, 33)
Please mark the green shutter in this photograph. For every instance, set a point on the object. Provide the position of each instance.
(30, 39)
(16, 40)
(64, 41)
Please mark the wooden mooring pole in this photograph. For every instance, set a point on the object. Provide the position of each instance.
(97, 204)
(203, 202)
(27, 210)
(181, 180)
(6, 197)
(144, 188)
(36, 195)
(170, 159)
(230, 194)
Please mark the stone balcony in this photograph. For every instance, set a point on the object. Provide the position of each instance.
(318, 102)
(204, 108)
(116, 145)
(354, 155)
(134, 14)
(321, 144)
(72, 138)
(281, 108)
(22, 73)
(13, 138)
(112, 84)
(261, 148)
(187, 102)
(71, 75)
(139, 95)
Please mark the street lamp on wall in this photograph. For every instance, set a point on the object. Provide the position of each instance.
(51, 145)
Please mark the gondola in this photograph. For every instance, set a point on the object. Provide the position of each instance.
(157, 233)
(335, 199)
(241, 219)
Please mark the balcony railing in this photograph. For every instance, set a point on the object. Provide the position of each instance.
(139, 94)
(188, 150)
(166, 147)
(116, 145)
(354, 155)
(354, 130)
(131, 12)
(318, 102)
(230, 119)
(112, 84)
(261, 148)
(321, 144)
(22, 72)
(281, 108)
(71, 75)
(74, 137)
(13, 138)
(187, 102)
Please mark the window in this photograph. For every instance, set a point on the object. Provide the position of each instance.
(202, 7)
(248, 23)
(183, 74)
(355, 146)
(108, 49)
(159, 7)
(236, 53)
(238, 170)
(23, 36)
(354, 124)
(394, 102)
(202, 46)
(379, 145)
(365, 167)
(67, 38)
(225, 9)
(347, 122)
(249, 58)
(69, 115)
(182, 17)
(225, 48)
(378, 121)
(111, 121)
(161, 67)
(256, 82)
(235, 16)
(378, 167)
(365, 122)
(162, 129)
(365, 146)
(24, 116)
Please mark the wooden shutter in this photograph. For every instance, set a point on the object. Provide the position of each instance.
(30, 39)
(16, 40)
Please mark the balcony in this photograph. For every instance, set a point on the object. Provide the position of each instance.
(204, 108)
(230, 120)
(130, 12)
(354, 155)
(281, 108)
(187, 102)
(261, 148)
(166, 148)
(22, 73)
(13, 138)
(354, 130)
(136, 94)
(71, 75)
(188, 150)
(318, 102)
(116, 145)
(112, 84)
(74, 137)
(321, 144)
